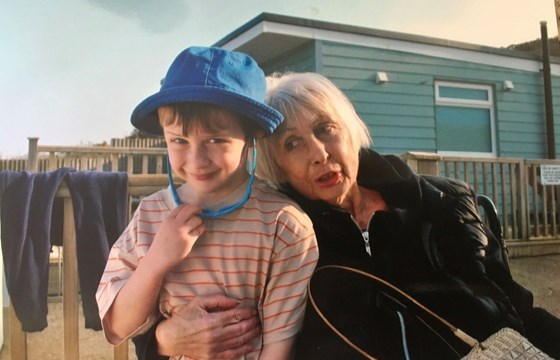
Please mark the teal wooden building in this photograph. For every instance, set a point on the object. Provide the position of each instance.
(417, 93)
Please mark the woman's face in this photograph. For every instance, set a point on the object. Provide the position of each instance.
(316, 156)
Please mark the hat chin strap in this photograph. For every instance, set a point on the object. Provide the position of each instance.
(207, 213)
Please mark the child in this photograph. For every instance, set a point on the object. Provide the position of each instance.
(222, 232)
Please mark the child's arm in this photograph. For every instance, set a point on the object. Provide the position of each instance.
(138, 297)
(279, 350)
(295, 256)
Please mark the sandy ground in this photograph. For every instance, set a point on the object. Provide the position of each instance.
(539, 274)
(47, 345)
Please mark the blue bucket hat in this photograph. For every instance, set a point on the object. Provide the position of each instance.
(229, 79)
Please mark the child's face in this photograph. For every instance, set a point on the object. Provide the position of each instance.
(211, 161)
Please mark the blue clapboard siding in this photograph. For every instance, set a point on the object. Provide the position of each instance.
(401, 113)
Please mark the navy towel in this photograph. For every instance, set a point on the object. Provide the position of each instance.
(26, 213)
(100, 201)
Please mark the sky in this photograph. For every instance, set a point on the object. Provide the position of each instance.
(72, 71)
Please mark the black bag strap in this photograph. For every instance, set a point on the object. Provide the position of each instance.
(401, 298)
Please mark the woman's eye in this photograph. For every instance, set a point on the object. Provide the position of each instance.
(324, 129)
(290, 144)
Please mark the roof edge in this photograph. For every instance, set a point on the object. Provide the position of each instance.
(384, 34)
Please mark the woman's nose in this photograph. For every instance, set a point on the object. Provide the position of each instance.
(317, 151)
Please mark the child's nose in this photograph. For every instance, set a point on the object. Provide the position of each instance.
(198, 156)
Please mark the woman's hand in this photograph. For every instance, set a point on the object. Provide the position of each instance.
(209, 327)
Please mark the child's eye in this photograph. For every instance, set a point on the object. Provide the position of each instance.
(216, 141)
(179, 141)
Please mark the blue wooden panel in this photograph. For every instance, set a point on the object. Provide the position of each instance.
(401, 112)
(404, 122)
(409, 95)
(390, 109)
(532, 137)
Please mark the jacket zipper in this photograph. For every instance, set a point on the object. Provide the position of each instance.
(365, 233)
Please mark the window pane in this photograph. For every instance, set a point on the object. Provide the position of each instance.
(463, 129)
(463, 93)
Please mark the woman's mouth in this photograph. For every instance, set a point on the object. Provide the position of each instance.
(329, 179)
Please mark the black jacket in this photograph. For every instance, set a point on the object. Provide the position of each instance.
(432, 244)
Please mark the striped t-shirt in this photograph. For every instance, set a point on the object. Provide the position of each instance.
(262, 254)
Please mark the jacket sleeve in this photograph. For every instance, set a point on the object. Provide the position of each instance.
(458, 232)
(467, 247)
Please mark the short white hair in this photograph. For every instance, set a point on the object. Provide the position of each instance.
(303, 96)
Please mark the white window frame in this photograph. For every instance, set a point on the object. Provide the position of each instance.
(469, 103)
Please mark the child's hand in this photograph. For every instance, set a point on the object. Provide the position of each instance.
(177, 235)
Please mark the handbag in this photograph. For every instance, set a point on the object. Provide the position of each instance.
(504, 344)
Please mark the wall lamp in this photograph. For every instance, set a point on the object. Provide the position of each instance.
(508, 85)
(381, 77)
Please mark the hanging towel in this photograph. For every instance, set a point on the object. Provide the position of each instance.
(26, 213)
(100, 202)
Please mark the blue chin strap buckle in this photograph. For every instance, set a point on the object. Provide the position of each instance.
(207, 213)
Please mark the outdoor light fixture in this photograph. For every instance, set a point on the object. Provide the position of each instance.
(381, 77)
(508, 85)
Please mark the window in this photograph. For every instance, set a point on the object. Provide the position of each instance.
(464, 119)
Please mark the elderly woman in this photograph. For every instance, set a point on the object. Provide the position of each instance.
(373, 213)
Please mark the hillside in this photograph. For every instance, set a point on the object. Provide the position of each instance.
(535, 47)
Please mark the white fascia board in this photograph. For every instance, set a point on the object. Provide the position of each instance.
(245, 37)
(390, 44)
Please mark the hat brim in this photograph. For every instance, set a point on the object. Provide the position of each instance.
(145, 118)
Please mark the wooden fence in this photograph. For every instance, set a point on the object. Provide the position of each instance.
(138, 142)
(133, 155)
(528, 209)
(139, 186)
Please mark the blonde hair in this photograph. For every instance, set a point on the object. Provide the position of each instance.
(300, 96)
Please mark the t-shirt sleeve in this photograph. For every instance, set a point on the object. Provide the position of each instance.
(121, 263)
(293, 262)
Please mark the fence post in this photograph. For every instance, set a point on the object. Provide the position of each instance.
(524, 199)
(32, 156)
(422, 162)
(18, 338)
(70, 284)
